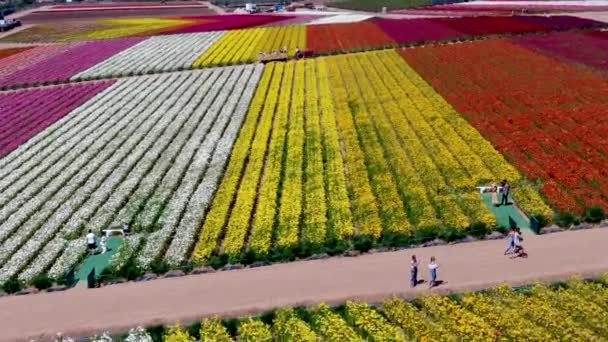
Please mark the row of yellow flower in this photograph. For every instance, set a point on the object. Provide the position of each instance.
(575, 312)
(239, 221)
(218, 214)
(340, 224)
(314, 229)
(244, 46)
(392, 210)
(387, 115)
(263, 226)
(290, 211)
(436, 165)
(364, 205)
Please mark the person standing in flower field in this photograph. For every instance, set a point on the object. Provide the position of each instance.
(414, 271)
(433, 266)
(505, 192)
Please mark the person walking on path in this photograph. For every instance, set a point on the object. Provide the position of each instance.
(505, 193)
(414, 271)
(433, 272)
(510, 242)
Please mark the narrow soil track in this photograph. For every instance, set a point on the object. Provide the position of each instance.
(372, 277)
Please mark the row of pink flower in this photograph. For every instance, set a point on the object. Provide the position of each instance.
(70, 60)
(25, 113)
(405, 31)
(585, 48)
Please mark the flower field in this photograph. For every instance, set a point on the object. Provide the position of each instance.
(139, 55)
(412, 163)
(129, 27)
(346, 37)
(148, 151)
(575, 311)
(243, 46)
(69, 60)
(154, 55)
(26, 113)
(588, 48)
(554, 137)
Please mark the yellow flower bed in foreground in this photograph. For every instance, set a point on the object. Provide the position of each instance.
(575, 312)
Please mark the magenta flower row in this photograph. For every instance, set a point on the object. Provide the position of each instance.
(25, 113)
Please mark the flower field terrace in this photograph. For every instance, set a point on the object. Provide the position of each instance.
(128, 27)
(26, 113)
(575, 309)
(244, 46)
(148, 151)
(60, 62)
(588, 49)
(346, 146)
(546, 116)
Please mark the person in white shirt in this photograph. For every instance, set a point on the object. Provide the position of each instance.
(91, 241)
(433, 266)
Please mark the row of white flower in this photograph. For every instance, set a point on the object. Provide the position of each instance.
(155, 139)
(65, 195)
(196, 170)
(156, 54)
(161, 183)
(188, 228)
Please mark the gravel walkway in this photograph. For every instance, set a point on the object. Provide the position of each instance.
(372, 277)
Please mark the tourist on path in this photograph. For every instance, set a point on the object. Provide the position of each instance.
(433, 272)
(414, 271)
(505, 192)
(510, 241)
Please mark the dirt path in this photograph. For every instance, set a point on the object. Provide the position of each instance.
(372, 277)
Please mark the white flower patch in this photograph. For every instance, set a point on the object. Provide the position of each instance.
(138, 334)
(155, 54)
(234, 111)
(129, 247)
(174, 175)
(144, 184)
(71, 256)
(340, 18)
(188, 181)
(44, 260)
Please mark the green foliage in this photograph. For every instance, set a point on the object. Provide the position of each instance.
(565, 219)
(595, 214)
(160, 266)
(13, 285)
(42, 282)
